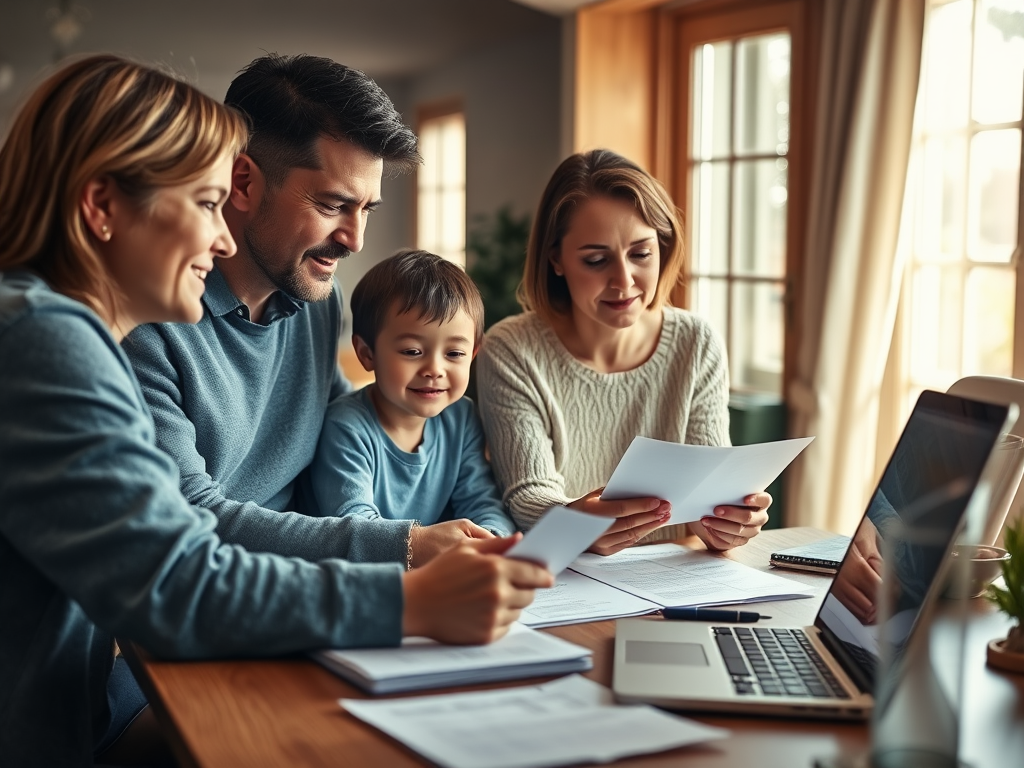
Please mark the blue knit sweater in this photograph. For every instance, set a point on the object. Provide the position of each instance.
(96, 540)
(359, 470)
(239, 405)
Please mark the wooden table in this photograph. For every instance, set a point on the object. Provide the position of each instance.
(284, 712)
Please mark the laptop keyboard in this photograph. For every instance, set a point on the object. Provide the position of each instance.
(776, 662)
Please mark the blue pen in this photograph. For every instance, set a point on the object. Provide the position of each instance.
(711, 614)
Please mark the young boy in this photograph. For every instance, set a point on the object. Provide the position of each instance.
(409, 446)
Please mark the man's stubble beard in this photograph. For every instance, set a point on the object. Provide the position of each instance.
(287, 277)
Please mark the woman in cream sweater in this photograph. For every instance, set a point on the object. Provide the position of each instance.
(598, 358)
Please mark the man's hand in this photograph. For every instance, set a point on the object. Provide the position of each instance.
(428, 541)
(635, 518)
(733, 526)
(470, 594)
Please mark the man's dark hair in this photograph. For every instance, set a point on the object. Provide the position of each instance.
(291, 101)
(414, 281)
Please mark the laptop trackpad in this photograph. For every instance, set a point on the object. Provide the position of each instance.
(650, 652)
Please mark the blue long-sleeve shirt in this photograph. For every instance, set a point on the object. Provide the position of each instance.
(239, 405)
(359, 471)
(96, 540)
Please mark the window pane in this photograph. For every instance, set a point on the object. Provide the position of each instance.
(711, 224)
(757, 336)
(711, 101)
(453, 235)
(762, 94)
(988, 322)
(427, 235)
(940, 229)
(998, 61)
(936, 324)
(993, 195)
(947, 64)
(759, 218)
(710, 298)
(430, 148)
(453, 152)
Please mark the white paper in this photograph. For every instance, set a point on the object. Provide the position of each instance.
(670, 574)
(420, 656)
(697, 478)
(572, 720)
(559, 536)
(576, 598)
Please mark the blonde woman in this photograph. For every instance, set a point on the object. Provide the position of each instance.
(112, 183)
(599, 357)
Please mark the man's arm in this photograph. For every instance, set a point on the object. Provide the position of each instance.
(89, 501)
(243, 522)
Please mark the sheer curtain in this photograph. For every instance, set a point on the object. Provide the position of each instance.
(870, 62)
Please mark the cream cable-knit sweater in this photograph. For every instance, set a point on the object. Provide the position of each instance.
(556, 428)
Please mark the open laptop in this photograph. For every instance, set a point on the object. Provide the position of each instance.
(827, 669)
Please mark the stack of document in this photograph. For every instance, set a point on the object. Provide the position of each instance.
(646, 579)
(569, 721)
(420, 663)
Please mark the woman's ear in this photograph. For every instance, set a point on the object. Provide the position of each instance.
(98, 206)
(555, 260)
(363, 352)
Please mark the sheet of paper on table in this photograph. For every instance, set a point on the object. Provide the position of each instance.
(697, 478)
(576, 598)
(568, 721)
(649, 578)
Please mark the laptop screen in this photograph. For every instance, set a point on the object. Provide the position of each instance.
(912, 518)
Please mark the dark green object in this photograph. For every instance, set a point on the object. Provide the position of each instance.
(760, 418)
(495, 254)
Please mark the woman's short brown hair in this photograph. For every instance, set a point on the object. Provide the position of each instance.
(580, 177)
(100, 116)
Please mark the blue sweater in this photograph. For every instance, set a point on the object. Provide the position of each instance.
(96, 540)
(239, 406)
(359, 470)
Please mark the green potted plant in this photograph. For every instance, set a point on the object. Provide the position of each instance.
(496, 251)
(1008, 653)
(495, 254)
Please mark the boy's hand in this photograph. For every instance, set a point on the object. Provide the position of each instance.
(429, 541)
(470, 594)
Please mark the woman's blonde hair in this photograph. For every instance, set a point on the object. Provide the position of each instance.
(101, 116)
(580, 177)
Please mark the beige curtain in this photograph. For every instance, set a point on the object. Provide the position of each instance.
(870, 62)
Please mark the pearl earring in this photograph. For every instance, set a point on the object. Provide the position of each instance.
(105, 232)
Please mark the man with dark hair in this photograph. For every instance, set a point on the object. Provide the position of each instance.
(239, 398)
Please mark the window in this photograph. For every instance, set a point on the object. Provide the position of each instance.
(960, 231)
(441, 183)
(738, 203)
(739, 93)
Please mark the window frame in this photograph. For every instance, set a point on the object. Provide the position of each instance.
(425, 113)
(683, 29)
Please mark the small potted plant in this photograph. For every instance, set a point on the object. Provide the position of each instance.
(1008, 653)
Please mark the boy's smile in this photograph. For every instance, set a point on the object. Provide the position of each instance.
(420, 368)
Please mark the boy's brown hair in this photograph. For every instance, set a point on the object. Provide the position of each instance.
(418, 281)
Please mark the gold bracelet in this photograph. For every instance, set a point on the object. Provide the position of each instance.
(408, 554)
